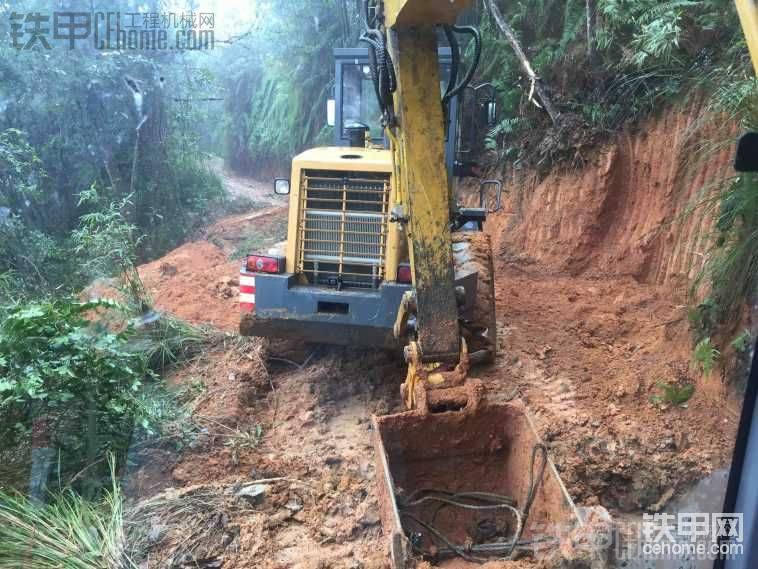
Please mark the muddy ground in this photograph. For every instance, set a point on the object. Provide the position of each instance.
(282, 473)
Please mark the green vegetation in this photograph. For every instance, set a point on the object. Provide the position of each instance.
(743, 342)
(73, 120)
(705, 355)
(242, 440)
(637, 56)
(68, 532)
(69, 383)
(732, 267)
(672, 394)
(104, 163)
(282, 74)
(730, 274)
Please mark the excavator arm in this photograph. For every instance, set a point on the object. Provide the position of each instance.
(418, 145)
(453, 449)
(405, 66)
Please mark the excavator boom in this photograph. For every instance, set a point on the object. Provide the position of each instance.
(453, 462)
(419, 146)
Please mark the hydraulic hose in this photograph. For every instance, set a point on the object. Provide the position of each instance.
(456, 60)
(382, 71)
(454, 89)
(380, 63)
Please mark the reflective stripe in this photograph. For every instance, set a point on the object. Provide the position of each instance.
(247, 281)
(247, 298)
(247, 289)
(247, 307)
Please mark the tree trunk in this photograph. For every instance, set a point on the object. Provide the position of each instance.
(537, 85)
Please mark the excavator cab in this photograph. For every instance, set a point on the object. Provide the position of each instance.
(470, 114)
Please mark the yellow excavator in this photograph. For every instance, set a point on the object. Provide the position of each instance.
(379, 253)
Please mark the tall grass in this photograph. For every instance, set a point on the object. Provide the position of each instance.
(731, 268)
(164, 340)
(68, 533)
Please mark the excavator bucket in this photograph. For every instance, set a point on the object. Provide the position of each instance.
(477, 485)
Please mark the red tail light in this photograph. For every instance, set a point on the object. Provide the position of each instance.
(264, 264)
(404, 274)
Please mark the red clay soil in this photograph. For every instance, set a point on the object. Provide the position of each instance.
(196, 282)
(593, 268)
(591, 272)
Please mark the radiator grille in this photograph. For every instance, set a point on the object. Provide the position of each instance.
(342, 232)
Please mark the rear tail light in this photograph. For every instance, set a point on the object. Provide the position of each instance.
(264, 264)
(404, 274)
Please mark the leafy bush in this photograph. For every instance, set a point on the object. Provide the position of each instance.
(68, 379)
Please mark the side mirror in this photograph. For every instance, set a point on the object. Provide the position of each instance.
(281, 186)
(331, 112)
(747, 153)
(491, 114)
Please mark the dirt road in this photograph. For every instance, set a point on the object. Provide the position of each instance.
(585, 353)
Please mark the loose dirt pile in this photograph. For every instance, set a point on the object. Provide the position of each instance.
(199, 281)
(281, 475)
(196, 282)
(587, 356)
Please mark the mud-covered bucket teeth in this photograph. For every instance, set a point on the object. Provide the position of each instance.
(247, 291)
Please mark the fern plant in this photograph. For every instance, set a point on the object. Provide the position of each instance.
(673, 394)
(705, 355)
